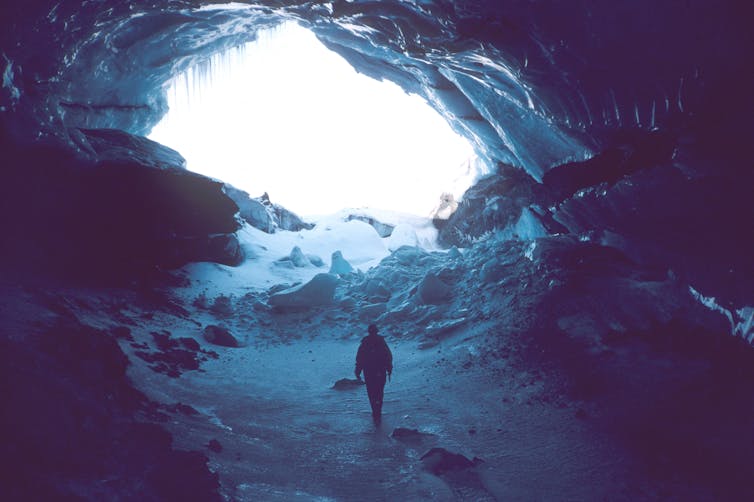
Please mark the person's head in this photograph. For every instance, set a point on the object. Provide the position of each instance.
(372, 329)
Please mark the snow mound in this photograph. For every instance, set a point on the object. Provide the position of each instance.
(319, 291)
(403, 235)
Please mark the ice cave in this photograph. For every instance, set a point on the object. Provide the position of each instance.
(575, 323)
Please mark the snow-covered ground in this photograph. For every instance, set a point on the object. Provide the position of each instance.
(357, 241)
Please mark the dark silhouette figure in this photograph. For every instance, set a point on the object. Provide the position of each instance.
(376, 360)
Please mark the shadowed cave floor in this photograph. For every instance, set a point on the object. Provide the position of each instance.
(552, 417)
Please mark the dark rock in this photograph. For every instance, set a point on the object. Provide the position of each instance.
(439, 461)
(117, 146)
(189, 343)
(173, 355)
(410, 436)
(219, 335)
(348, 383)
(184, 409)
(163, 340)
(98, 233)
(122, 332)
(215, 445)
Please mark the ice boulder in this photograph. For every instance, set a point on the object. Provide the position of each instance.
(298, 258)
(403, 235)
(528, 226)
(315, 260)
(319, 291)
(433, 290)
(340, 265)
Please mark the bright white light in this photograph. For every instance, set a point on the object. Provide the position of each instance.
(287, 116)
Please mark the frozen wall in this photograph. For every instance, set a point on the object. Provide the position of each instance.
(584, 89)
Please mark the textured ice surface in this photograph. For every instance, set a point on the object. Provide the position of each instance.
(518, 80)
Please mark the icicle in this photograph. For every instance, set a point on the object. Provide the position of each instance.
(586, 107)
(615, 107)
(680, 96)
(636, 114)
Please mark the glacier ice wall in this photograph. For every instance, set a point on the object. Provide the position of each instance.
(575, 92)
(533, 85)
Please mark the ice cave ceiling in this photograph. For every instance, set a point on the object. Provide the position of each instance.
(586, 92)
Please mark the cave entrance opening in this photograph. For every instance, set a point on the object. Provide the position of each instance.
(287, 116)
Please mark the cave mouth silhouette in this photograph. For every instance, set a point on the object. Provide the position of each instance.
(287, 116)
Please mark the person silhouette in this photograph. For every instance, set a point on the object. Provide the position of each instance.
(376, 361)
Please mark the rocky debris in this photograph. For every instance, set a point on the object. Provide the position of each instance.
(73, 413)
(440, 461)
(173, 355)
(339, 265)
(317, 292)
(261, 213)
(348, 383)
(411, 436)
(383, 229)
(219, 335)
(432, 290)
(118, 146)
(123, 333)
(222, 306)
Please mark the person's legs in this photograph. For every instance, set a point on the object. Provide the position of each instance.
(375, 391)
